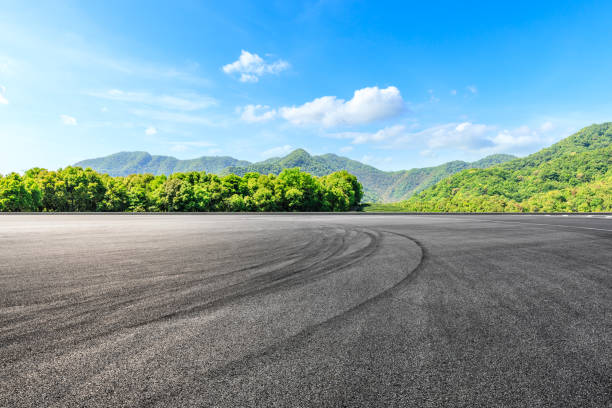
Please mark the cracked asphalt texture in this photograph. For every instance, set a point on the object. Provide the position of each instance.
(302, 310)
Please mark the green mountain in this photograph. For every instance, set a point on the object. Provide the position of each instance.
(574, 174)
(378, 185)
(125, 163)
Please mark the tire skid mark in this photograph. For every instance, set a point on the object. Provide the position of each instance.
(97, 305)
(279, 279)
(299, 339)
(301, 270)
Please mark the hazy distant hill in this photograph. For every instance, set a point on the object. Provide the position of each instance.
(378, 185)
(574, 174)
(124, 163)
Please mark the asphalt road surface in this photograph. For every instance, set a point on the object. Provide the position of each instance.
(305, 310)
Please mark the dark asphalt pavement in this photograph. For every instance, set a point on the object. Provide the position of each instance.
(305, 310)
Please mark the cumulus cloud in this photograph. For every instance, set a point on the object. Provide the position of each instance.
(465, 135)
(3, 100)
(250, 113)
(367, 105)
(180, 102)
(277, 151)
(251, 67)
(150, 131)
(68, 120)
(521, 137)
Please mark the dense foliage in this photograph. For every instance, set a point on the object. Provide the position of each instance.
(572, 175)
(378, 185)
(78, 189)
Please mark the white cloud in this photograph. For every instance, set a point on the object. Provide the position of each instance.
(376, 161)
(3, 100)
(519, 138)
(178, 148)
(547, 126)
(8, 66)
(346, 149)
(186, 145)
(68, 120)
(367, 105)
(103, 109)
(387, 133)
(249, 113)
(474, 137)
(277, 151)
(176, 117)
(181, 102)
(432, 97)
(453, 92)
(150, 131)
(467, 136)
(472, 89)
(251, 67)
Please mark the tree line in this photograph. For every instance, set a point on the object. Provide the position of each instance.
(77, 189)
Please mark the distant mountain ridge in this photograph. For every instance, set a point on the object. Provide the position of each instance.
(125, 163)
(378, 185)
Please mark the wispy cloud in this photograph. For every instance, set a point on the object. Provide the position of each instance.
(467, 136)
(387, 133)
(477, 137)
(251, 67)
(182, 102)
(472, 89)
(3, 100)
(187, 145)
(277, 151)
(176, 117)
(432, 97)
(376, 161)
(68, 120)
(8, 66)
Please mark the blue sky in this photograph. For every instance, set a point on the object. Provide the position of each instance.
(394, 84)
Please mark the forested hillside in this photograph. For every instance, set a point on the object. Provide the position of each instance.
(378, 185)
(77, 189)
(574, 174)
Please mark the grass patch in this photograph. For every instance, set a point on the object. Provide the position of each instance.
(382, 207)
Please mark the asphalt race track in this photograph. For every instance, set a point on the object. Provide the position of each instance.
(305, 310)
